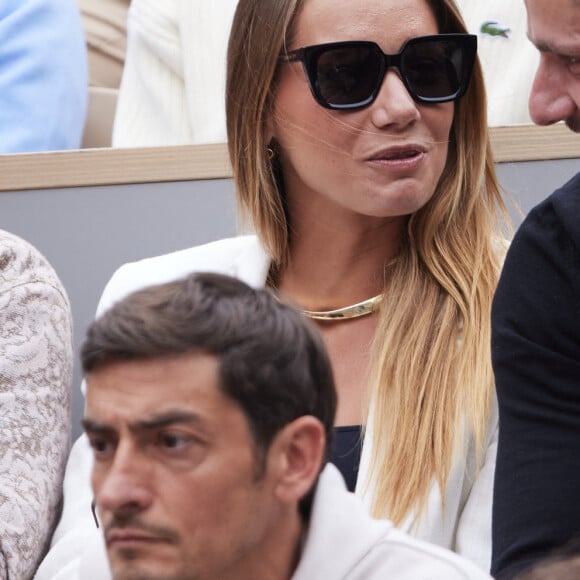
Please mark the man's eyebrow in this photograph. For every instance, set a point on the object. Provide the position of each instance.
(166, 419)
(91, 426)
(150, 424)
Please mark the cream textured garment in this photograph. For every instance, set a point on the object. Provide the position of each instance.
(35, 391)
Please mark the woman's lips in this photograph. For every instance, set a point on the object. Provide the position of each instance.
(401, 158)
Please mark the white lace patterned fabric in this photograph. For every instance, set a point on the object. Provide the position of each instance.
(36, 358)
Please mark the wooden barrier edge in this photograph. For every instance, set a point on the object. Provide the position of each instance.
(94, 167)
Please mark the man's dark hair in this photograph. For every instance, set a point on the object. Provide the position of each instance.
(272, 361)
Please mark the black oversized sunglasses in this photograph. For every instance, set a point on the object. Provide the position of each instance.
(349, 75)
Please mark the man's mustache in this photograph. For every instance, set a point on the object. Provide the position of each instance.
(136, 524)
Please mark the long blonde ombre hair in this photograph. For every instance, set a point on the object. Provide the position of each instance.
(431, 371)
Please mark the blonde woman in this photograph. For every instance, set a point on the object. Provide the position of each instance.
(394, 199)
(370, 185)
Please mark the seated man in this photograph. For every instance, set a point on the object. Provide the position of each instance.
(210, 410)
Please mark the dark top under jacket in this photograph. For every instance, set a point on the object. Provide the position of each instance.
(536, 358)
(346, 450)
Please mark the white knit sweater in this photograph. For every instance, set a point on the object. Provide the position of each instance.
(509, 62)
(173, 86)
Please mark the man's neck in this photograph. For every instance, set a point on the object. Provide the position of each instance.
(278, 555)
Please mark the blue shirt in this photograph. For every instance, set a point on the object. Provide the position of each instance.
(43, 75)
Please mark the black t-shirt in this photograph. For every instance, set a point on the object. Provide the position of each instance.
(536, 359)
(346, 451)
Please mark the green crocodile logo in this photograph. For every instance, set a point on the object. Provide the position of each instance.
(494, 28)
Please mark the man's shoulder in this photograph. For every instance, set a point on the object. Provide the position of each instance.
(558, 214)
(566, 202)
(344, 541)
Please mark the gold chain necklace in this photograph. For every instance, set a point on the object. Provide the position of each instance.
(354, 311)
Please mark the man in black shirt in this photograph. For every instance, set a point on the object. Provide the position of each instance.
(536, 331)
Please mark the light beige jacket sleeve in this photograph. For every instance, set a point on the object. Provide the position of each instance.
(36, 360)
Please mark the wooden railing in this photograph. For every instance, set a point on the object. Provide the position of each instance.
(182, 163)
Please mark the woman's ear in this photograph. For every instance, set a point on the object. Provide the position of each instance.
(296, 454)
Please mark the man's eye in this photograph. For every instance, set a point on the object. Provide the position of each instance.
(102, 448)
(173, 440)
(574, 65)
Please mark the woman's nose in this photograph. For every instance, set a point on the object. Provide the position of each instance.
(393, 105)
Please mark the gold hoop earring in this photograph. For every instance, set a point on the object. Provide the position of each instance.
(271, 153)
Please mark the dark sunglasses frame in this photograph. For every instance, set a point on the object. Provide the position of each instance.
(309, 56)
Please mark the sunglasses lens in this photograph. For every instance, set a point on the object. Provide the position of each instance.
(347, 76)
(434, 70)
